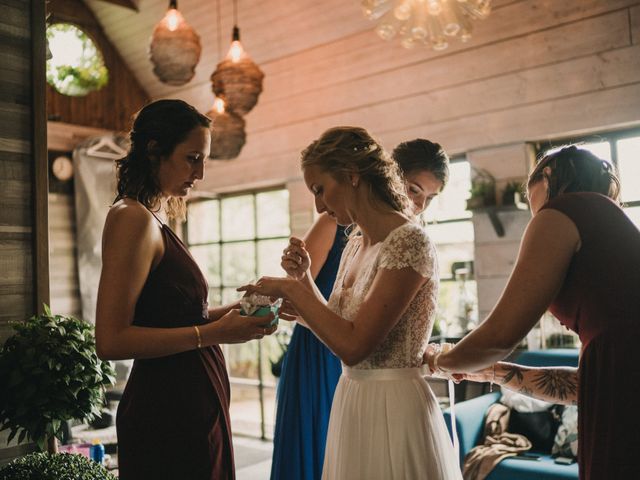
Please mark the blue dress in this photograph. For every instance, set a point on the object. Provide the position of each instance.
(310, 373)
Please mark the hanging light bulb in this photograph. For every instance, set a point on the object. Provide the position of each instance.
(218, 105)
(175, 48)
(237, 80)
(427, 22)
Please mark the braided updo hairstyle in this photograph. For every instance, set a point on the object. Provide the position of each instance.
(576, 170)
(157, 129)
(342, 151)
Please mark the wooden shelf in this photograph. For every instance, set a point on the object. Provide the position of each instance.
(493, 211)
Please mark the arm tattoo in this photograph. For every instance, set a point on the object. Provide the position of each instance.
(556, 383)
(512, 371)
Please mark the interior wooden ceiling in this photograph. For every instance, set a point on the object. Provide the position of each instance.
(132, 4)
(270, 31)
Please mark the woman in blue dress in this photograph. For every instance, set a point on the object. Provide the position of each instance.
(310, 371)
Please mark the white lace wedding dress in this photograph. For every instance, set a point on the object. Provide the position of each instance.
(385, 421)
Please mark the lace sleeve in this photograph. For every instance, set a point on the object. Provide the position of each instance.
(409, 246)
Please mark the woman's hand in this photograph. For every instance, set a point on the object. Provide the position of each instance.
(236, 328)
(268, 286)
(295, 259)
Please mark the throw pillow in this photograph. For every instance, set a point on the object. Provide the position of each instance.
(565, 443)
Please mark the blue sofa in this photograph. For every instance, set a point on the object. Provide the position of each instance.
(470, 425)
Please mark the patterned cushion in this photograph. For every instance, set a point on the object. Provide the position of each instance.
(566, 441)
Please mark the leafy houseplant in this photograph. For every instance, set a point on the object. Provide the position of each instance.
(50, 373)
(513, 193)
(62, 466)
(483, 190)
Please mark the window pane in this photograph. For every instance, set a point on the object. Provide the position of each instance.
(452, 202)
(238, 263)
(215, 297)
(634, 215)
(269, 253)
(453, 303)
(208, 259)
(203, 221)
(629, 165)
(454, 243)
(273, 213)
(242, 360)
(238, 218)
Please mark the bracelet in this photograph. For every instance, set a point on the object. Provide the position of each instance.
(199, 345)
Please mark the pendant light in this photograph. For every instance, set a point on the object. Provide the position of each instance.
(174, 49)
(237, 80)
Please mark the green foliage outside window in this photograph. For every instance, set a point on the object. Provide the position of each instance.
(76, 67)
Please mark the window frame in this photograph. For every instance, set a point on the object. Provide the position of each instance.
(260, 383)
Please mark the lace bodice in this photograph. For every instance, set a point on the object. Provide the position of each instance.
(405, 246)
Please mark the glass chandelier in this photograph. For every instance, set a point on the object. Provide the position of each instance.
(425, 22)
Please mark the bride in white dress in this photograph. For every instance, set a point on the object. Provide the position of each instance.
(385, 422)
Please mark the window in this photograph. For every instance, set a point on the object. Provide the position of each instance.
(236, 239)
(450, 227)
(622, 149)
(76, 66)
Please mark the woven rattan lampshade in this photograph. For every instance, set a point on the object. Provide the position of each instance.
(174, 49)
(237, 79)
(227, 134)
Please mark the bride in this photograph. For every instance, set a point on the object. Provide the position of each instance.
(385, 422)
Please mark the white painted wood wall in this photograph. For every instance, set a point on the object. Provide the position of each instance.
(534, 69)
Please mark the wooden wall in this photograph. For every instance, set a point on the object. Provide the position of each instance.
(23, 174)
(109, 108)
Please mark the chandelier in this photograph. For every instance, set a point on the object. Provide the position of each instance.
(425, 22)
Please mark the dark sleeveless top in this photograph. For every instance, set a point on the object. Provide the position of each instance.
(173, 419)
(600, 300)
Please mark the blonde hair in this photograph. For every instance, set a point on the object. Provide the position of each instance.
(342, 151)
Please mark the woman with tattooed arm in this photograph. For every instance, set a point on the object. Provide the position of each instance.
(580, 259)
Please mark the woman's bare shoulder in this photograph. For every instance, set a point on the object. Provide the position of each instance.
(130, 216)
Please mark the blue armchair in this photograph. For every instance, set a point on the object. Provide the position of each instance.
(470, 425)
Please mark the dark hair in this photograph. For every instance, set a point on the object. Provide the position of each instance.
(345, 150)
(157, 129)
(421, 154)
(576, 170)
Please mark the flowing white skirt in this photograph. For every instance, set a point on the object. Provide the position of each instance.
(386, 424)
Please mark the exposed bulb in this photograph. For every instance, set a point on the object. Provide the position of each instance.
(172, 19)
(218, 105)
(386, 31)
(434, 7)
(403, 11)
(374, 9)
(236, 52)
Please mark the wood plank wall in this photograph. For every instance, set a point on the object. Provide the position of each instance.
(535, 69)
(111, 107)
(23, 176)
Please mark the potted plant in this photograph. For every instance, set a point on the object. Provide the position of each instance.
(50, 373)
(483, 190)
(59, 466)
(513, 194)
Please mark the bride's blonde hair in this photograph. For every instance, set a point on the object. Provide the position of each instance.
(342, 151)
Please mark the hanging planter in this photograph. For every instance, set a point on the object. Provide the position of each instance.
(237, 79)
(175, 48)
(227, 132)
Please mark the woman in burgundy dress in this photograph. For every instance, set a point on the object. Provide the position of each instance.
(579, 258)
(173, 419)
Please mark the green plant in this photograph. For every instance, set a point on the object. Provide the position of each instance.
(59, 466)
(483, 190)
(50, 373)
(513, 193)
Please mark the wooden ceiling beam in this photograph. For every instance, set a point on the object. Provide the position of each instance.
(132, 4)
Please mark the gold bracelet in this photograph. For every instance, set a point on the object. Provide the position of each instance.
(198, 336)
